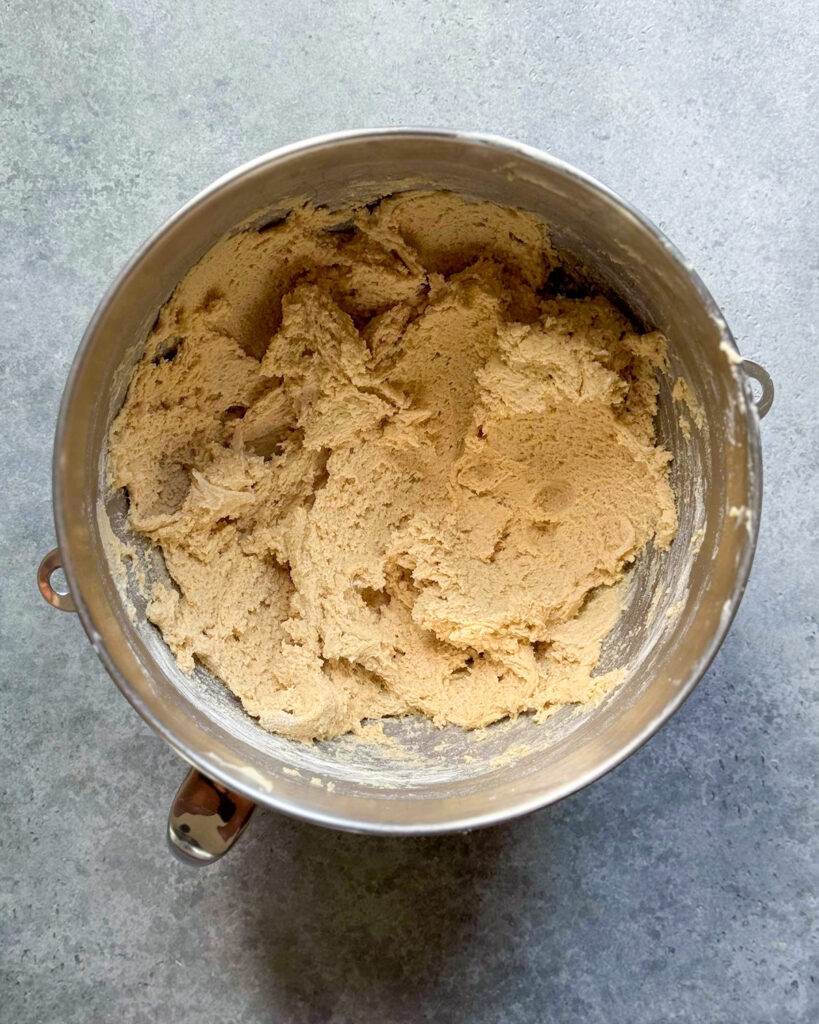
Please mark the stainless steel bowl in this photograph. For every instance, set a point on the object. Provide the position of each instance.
(681, 603)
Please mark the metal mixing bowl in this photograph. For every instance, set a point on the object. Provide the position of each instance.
(680, 603)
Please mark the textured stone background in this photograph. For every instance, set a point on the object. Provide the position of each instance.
(683, 886)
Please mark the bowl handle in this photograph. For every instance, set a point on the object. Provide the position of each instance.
(206, 819)
(58, 599)
(763, 378)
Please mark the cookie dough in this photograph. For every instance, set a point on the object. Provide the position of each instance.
(387, 472)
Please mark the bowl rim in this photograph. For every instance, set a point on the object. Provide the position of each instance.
(209, 763)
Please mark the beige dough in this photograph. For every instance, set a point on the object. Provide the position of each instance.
(386, 474)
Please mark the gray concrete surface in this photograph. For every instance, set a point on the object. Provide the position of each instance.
(680, 888)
